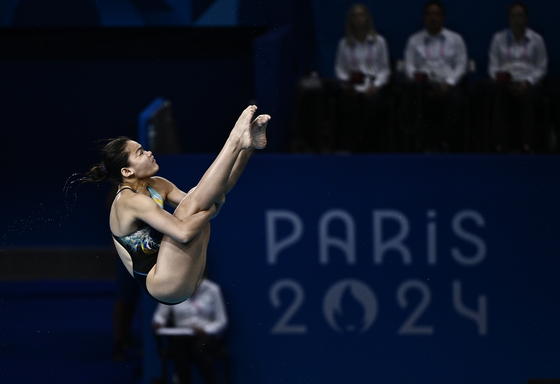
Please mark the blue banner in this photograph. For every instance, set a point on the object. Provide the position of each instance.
(387, 269)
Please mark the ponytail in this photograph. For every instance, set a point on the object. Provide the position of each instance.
(96, 174)
(115, 157)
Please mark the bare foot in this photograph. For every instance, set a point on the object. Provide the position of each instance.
(241, 131)
(258, 131)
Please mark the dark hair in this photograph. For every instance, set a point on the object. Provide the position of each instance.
(114, 158)
(519, 4)
(437, 3)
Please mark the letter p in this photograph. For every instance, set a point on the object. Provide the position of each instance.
(275, 245)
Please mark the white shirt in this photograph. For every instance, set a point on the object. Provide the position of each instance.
(443, 57)
(369, 57)
(524, 60)
(204, 310)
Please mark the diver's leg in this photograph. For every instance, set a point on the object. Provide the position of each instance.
(224, 172)
(214, 182)
(258, 139)
(179, 268)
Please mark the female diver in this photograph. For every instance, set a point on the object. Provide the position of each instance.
(166, 253)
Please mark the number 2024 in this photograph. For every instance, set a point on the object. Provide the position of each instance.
(409, 327)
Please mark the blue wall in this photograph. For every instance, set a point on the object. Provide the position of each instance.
(400, 269)
(389, 269)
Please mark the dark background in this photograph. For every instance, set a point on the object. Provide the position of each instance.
(74, 72)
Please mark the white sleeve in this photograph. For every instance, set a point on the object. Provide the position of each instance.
(384, 66)
(220, 320)
(161, 314)
(460, 62)
(541, 62)
(341, 65)
(409, 59)
(493, 57)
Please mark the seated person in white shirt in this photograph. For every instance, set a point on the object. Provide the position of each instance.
(362, 66)
(435, 63)
(517, 65)
(198, 325)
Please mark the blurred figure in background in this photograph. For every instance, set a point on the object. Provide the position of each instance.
(435, 61)
(126, 302)
(362, 65)
(517, 65)
(197, 326)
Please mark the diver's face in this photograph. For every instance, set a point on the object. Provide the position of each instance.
(141, 162)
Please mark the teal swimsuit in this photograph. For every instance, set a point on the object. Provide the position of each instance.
(143, 245)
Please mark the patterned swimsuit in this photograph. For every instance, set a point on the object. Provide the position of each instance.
(143, 245)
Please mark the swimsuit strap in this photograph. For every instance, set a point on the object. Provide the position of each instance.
(153, 194)
(123, 188)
